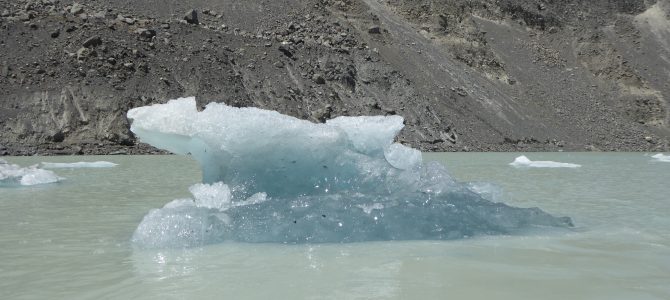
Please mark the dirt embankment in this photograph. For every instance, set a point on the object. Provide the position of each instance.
(467, 75)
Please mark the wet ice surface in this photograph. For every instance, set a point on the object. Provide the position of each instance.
(661, 157)
(76, 165)
(523, 162)
(274, 178)
(15, 175)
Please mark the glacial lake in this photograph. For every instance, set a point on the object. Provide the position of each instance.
(71, 240)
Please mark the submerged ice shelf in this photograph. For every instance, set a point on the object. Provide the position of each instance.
(269, 177)
(15, 175)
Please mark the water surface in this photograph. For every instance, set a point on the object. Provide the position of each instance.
(71, 240)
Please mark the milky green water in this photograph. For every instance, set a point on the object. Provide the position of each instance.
(71, 240)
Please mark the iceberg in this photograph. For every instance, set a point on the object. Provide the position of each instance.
(523, 162)
(269, 177)
(15, 175)
(81, 164)
(661, 157)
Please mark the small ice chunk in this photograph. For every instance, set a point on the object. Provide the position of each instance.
(369, 133)
(191, 222)
(487, 190)
(523, 162)
(179, 226)
(214, 196)
(661, 157)
(402, 157)
(81, 164)
(15, 175)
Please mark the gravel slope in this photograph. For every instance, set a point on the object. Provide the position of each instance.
(467, 75)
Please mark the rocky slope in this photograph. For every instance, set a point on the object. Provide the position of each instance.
(467, 75)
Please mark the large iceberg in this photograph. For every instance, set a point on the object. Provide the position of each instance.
(269, 177)
(15, 175)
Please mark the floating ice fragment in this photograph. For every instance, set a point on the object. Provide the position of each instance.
(274, 178)
(189, 222)
(661, 157)
(15, 175)
(358, 131)
(403, 157)
(81, 164)
(523, 161)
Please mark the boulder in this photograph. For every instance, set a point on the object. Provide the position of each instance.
(318, 78)
(76, 9)
(92, 42)
(191, 17)
(146, 33)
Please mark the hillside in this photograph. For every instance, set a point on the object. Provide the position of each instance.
(467, 75)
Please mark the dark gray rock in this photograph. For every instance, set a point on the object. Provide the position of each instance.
(374, 30)
(23, 16)
(191, 17)
(99, 15)
(461, 91)
(77, 150)
(83, 53)
(318, 78)
(76, 9)
(92, 42)
(323, 114)
(54, 34)
(146, 34)
(4, 70)
(58, 137)
(127, 20)
(285, 50)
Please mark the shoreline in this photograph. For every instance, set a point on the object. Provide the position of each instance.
(100, 148)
